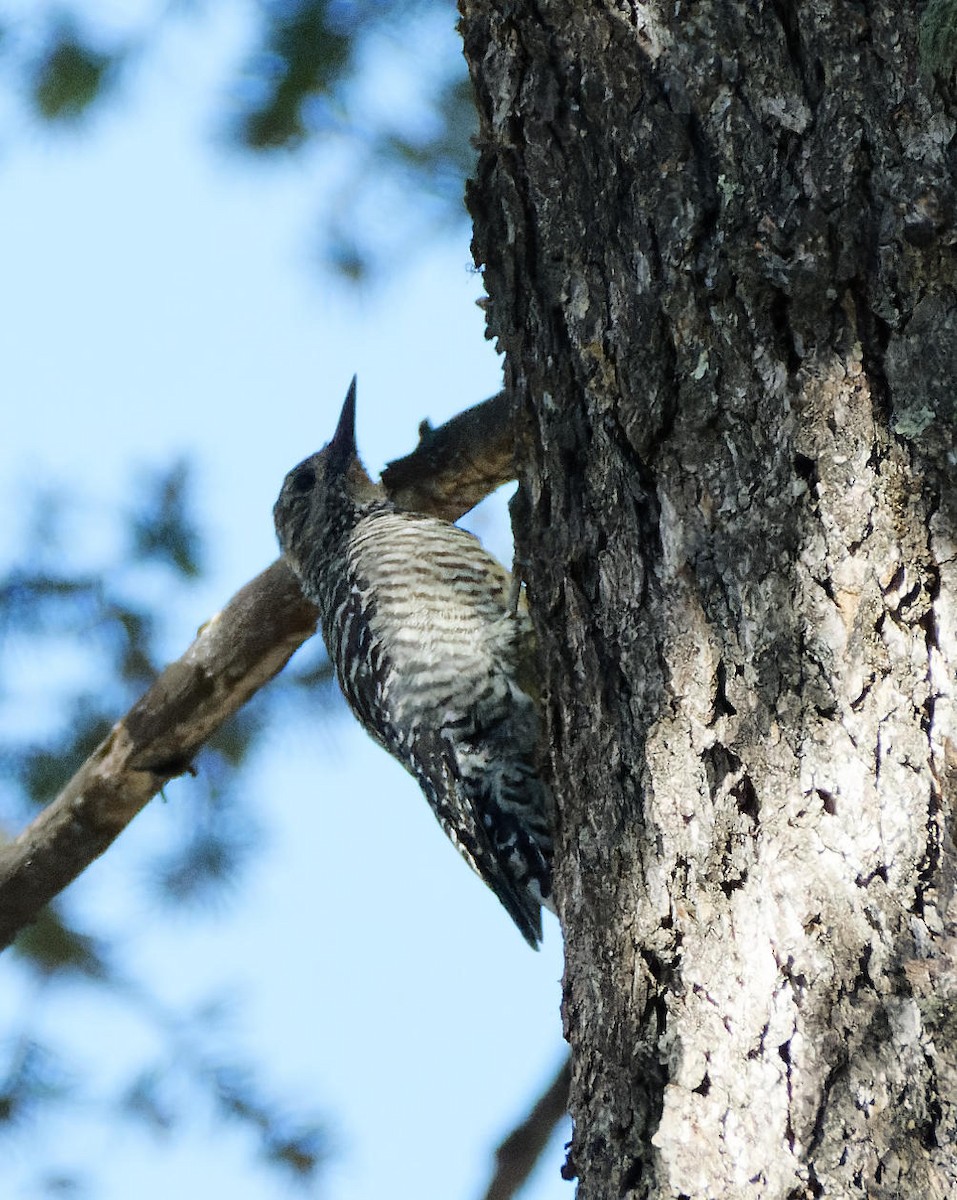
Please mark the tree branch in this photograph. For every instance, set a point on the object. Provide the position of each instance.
(235, 653)
(458, 464)
(520, 1151)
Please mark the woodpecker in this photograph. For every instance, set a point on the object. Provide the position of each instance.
(433, 657)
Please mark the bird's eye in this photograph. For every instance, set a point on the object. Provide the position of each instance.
(304, 480)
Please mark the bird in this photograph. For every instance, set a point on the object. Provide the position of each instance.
(435, 654)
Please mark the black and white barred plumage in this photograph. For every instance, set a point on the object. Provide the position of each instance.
(432, 658)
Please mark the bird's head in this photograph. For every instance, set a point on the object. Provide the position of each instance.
(323, 493)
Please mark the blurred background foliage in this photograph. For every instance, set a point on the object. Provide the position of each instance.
(308, 84)
(311, 82)
(101, 631)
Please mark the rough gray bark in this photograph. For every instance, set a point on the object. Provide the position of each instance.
(718, 240)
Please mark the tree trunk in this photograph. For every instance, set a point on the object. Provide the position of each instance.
(718, 240)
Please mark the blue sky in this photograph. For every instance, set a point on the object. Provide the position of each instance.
(159, 296)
